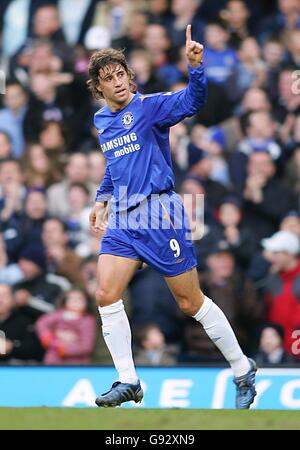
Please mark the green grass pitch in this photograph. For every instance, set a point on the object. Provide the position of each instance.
(146, 419)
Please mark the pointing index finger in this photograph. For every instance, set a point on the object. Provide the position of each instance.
(189, 33)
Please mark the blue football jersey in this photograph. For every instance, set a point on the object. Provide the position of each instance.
(135, 142)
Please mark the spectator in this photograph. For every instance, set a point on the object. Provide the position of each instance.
(96, 167)
(57, 97)
(193, 186)
(21, 342)
(135, 32)
(295, 135)
(286, 17)
(158, 305)
(292, 174)
(250, 72)
(193, 197)
(35, 213)
(68, 334)
(77, 171)
(287, 104)
(271, 350)
(240, 239)
(159, 12)
(40, 169)
(210, 9)
(97, 37)
(12, 116)
(42, 105)
(175, 72)
(78, 219)
(236, 16)
(27, 227)
(213, 141)
(255, 99)
(157, 43)
(90, 247)
(146, 78)
(217, 108)
(5, 145)
(201, 166)
(273, 52)
(12, 191)
(291, 222)
(43, 58)
(46, 24)
(53, 136)
(185, 13)
(88, 269)
(266, 199)
(3, 252)
(151, 348)
(61, 260)
(259, 130)
(220, 60)
(115, 15)
(179, 140)
(10, 272)
(260, 265)
(37, 292)
(222, 274)
(280, 286)
(292, 40)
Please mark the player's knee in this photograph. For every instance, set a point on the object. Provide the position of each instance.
(105, 297)
(190, 305)
(185, 305)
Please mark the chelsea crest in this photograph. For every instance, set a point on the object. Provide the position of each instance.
(127, 120)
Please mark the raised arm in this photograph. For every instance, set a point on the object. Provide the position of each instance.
(167, 109)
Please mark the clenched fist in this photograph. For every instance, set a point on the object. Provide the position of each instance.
(194, 50)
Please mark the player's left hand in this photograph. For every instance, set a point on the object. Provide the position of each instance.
(194, 50)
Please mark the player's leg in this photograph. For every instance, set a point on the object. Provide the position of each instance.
(186, 290)
(169, 250)
(192, 301)
(114, 274)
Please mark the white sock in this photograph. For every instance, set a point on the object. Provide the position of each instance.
(220, 332)
(117, 335)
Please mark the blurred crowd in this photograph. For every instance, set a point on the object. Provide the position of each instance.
(241, 151)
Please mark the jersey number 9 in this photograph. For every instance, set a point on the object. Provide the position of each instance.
(175, 247)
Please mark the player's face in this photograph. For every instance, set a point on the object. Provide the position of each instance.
(114, 85)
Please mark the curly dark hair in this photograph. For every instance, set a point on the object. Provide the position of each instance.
(103, 58)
